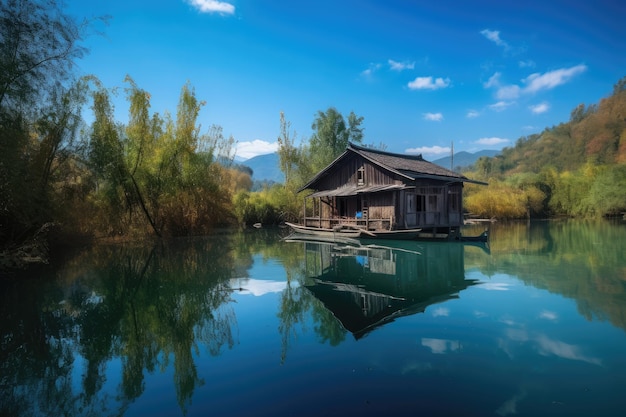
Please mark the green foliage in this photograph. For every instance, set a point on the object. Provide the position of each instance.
(332, 135)
(38, 44)
(159, 172)
(269, 206)
(580, 165)
(608, 191)
(39, 111)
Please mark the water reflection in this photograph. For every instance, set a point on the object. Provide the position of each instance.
(580, 260)
(200, 324)
(368, 285)
(140, 308)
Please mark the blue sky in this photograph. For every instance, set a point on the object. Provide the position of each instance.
(424, 75)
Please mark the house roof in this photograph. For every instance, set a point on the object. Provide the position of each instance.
(349, 190)
(411, 167)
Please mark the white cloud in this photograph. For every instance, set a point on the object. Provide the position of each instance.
(434, 117)
(428, 83)
(212, 6)
(471, 114)
(494, 36)
(501, 105)
(493, 81)
(534, 83)
(508, 92)
(400, 66)
(492, 142)
(256, 147)
(529, 63)
(539, 108)
(429, 150)
(370, 70)
(537, 82)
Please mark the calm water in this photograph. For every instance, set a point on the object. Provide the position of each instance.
(250, 324)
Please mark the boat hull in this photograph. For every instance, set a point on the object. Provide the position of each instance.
(346, 231)
(327, 233)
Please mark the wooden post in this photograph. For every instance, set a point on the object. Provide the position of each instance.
(319, 212)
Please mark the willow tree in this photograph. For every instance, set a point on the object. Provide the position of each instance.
(162, 171)
(39, 108)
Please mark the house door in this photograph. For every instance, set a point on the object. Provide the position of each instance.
(411, 215)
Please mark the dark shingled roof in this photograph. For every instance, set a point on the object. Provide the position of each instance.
(409, 165)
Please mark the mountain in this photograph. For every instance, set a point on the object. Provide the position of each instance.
(265, 167)
(464, 159)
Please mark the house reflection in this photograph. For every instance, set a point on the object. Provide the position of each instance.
(366, 286)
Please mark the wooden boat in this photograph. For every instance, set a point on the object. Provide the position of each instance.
(344, 231)
(354, 232)
(405, 234)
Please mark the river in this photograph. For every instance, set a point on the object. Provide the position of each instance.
(251, 323)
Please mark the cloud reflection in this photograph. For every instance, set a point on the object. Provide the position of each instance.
(548, 315)
(544, 345)
(495, 286)
(510, 405)
(441, 346)
(256, 287)
(563, 350)
(441, 312)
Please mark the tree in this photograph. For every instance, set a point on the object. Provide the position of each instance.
(332, 136)
(287, 151)
(40, 104)
(38, 46)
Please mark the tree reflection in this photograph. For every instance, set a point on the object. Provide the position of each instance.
(147, 306)
(580, 260)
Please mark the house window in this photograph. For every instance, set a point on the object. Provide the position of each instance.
(420, 203)
(360, 176)
(453, 198)
(432, 202)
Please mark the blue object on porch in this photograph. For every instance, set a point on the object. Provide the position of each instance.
(359, 214)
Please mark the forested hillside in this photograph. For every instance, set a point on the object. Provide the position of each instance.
(595, 133)
(577, 168)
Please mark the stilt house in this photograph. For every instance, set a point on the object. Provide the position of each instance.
(376, 190)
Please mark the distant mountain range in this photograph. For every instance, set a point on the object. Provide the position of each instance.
(463, 159)
(267, 167)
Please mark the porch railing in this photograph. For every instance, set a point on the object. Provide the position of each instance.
(421, 219)
(367, 223)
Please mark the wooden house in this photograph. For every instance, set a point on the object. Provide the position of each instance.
(375, 190)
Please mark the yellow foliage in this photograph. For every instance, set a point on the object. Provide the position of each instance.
(502, 201)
